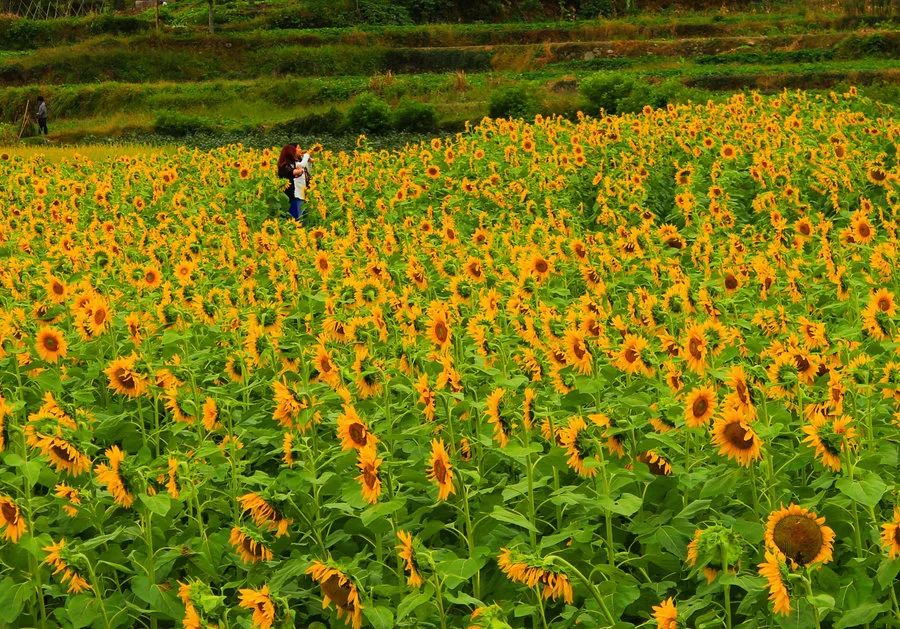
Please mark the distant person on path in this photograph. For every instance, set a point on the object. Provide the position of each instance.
(42, 115)
(297, 174)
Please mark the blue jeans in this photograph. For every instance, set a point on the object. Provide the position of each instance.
(296, 209)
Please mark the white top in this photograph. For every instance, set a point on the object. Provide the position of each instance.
(300, 180)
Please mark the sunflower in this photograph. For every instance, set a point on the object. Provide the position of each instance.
(775, 572)
(50, 344)
(324, 365)
(264, 514)
(5, 411)
(287, 406)
(577, 352)
(124, 379)
(71, 496)
(535, 572)
(799, 536)
(830, 436)
(63, 456)
(261, 603)
(191, 618)
(369, 480)
(699, 406)
(426, 396)
(695, 349)
(339, 589)
(579, 445)
(235, 369)
(111, 475)
(890, 535)
(58, 558)
(656, 465)
(97, 316)
(501, 422)
(353, 431)
(439, 328)
(12, 524)
(739, 398)
(210, 415)
(440, 469)
(862, 229)
(152, 277)
(407, 553)
(883, 299)
(631, 357)
(736, 439)
(666, 614)
(249, 545)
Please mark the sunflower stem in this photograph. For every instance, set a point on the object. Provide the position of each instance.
(590, 586)
(726, 586)
(440, 600)
(95, 584)
(610, 550)
(809, 593)
(540, 607)
(470, 541)
(529, 472)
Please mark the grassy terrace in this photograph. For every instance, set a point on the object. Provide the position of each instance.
(112, 77)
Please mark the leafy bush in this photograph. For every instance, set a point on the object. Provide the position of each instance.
(328, 122)
(383, 12)
(604, 90)
(179, 125)
(412, 115)
(512, 102)
(369, 113)
(596, 8)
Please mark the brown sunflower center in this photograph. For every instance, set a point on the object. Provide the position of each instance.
(700, 406)
(58, 289)
(440, 471)
(324, 364)
(737, 436)
(370, 476)
(99, 316)
(150, 277)
(62, 453)
(10, 513)
(802, 363)
(631, 355)
(694, 348)
(731, 282)
(864, 230)
(337, 591)
(358, 434)
(741, 390)
(541, 266)
(253, 548)
(440, 331)
(799, 538)
(125, 378)
(884, 304)
(579, 350)
(51, 344)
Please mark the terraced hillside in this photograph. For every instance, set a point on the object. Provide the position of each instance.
(109, 76)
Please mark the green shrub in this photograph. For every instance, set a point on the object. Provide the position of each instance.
(369, 113)
(604, 90)
(596, 8)
(383, 12)
(512, 102)
(328, 122)
(179, 125)
(412, 115)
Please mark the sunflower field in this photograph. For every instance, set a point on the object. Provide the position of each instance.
(621, 371)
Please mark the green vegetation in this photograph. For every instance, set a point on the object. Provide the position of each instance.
(303, 69)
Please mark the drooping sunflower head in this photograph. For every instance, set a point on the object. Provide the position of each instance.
(798, 536)
(12, 524)
(736, 439)
(339, 589)
(249, 544)
(890, 535)
(666, 614)
(713, 546)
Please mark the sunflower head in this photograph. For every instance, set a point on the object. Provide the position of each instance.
(799, 537)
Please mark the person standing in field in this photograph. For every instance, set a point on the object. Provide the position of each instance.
(42, 115)
(297, 174)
